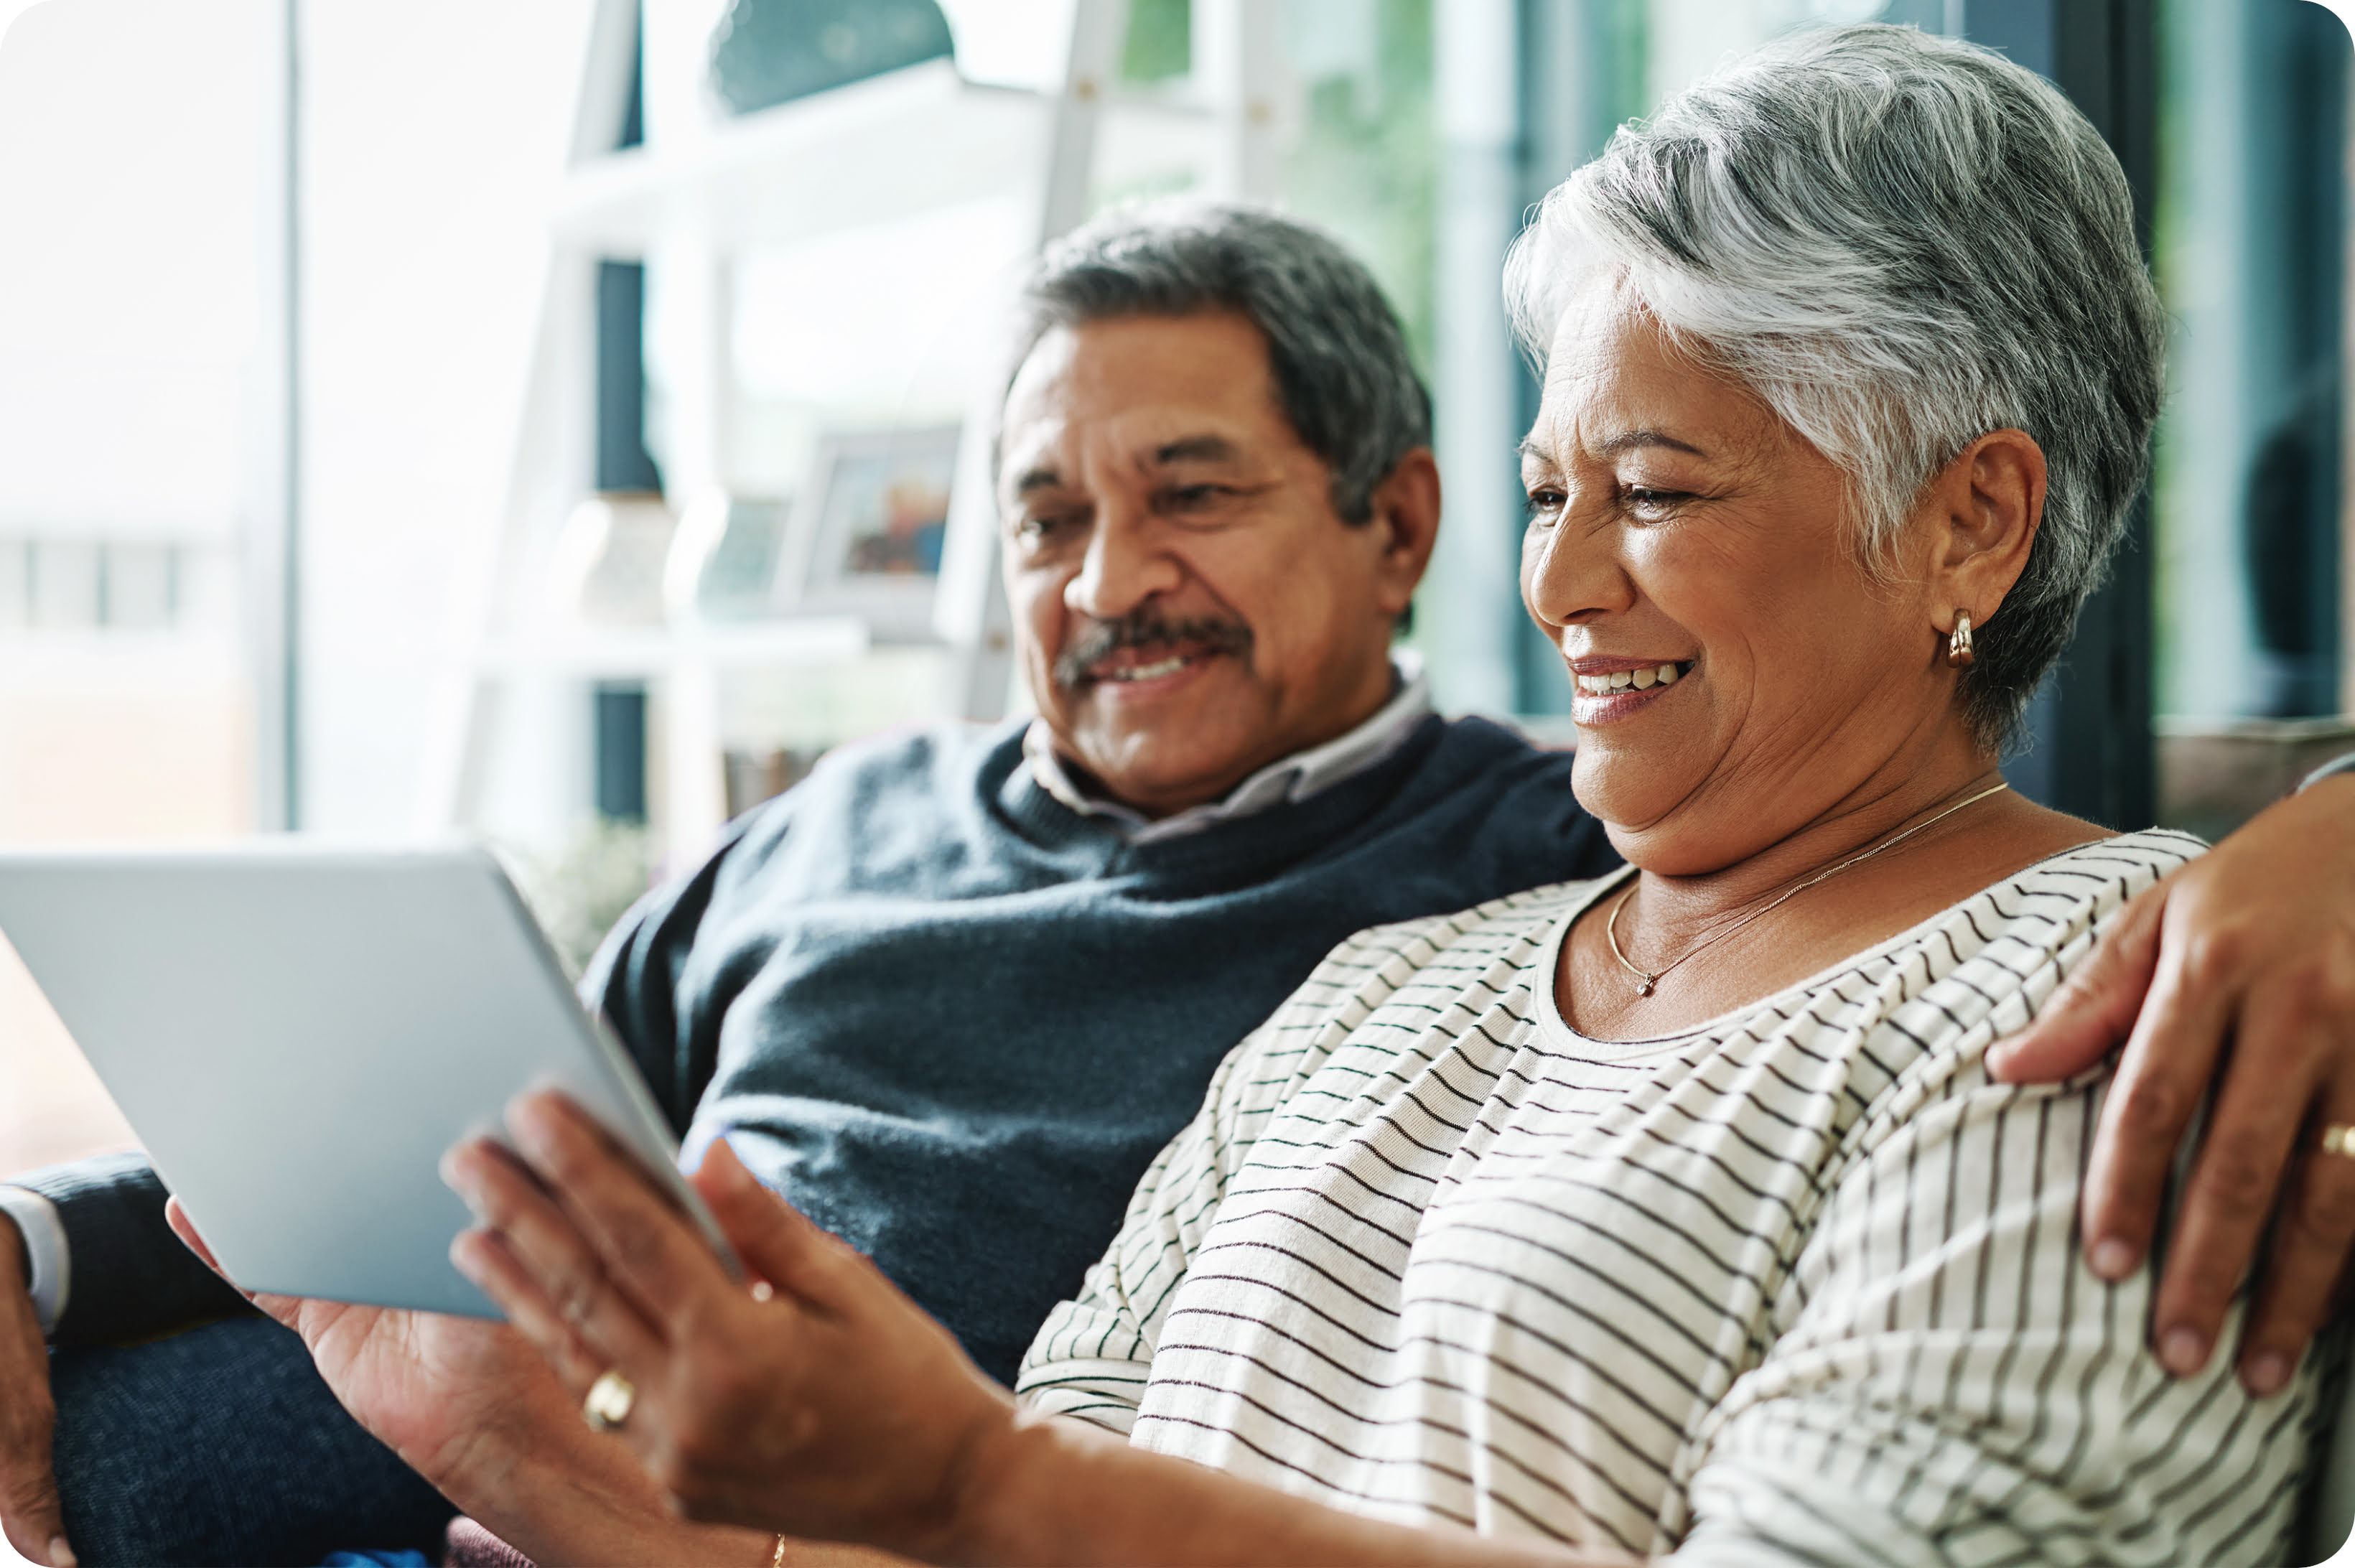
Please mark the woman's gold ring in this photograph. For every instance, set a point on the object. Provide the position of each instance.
(2339, 1138)
(609, 1401)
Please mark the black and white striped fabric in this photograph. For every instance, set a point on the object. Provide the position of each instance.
(1803, 1284)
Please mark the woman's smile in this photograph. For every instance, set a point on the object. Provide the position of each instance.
(1611, 689)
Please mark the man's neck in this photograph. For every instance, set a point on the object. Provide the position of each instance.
(1360, 744)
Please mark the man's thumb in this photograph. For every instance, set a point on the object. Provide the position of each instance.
(2094, 1008)
(34, 1522)
(30, 1515)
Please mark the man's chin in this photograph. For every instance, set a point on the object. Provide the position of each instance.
(1154, 778)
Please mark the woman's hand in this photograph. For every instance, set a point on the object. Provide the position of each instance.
(818, 1401)
(2240, 968)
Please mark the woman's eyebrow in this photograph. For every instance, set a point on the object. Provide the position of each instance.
(1625, 441)
(1628, 440)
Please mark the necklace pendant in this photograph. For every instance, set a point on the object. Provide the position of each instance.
(1646, 988)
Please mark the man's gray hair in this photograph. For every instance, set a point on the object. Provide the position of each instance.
(1334, 346)
(1898, 242)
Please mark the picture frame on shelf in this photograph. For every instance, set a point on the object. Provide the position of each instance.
(865, 536)
(739, 580)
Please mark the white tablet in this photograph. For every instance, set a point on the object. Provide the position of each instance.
(296, 1034)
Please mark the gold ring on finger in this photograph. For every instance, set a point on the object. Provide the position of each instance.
(609, 1401)
(2339, 1138)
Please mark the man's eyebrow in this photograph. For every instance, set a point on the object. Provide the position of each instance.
(1196, 449)
(1040, 478)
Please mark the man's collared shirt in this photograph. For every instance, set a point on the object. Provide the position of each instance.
(1295, 777)
(47, 1275)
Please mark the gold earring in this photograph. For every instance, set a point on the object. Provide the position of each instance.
(1958, 644)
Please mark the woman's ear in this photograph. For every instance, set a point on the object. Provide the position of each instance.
(1984, 509)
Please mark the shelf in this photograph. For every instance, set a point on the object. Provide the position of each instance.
(651, 653)
(878, 151)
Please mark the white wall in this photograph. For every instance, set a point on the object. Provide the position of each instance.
(131, 181)
(433, 133)
(129, 135)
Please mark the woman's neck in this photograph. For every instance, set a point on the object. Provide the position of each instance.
(1688, 902)
(1727, 935)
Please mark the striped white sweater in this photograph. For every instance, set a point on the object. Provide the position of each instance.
(1802, 1285)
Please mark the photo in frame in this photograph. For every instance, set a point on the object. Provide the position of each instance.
(868, 529)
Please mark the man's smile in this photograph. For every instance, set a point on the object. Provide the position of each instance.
(1145, 647)
(1153, 671)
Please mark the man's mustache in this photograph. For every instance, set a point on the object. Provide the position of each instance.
(1099, 640)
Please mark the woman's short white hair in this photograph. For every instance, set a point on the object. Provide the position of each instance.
(1899, 242)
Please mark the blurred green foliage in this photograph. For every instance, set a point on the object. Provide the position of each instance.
(1366, 162)
(578, 894)
(1160, 40)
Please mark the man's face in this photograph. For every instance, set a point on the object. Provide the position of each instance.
(1188, 606)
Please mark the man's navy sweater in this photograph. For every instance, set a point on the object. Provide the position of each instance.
(953, 1020)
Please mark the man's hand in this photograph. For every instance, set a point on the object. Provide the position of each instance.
(2239, 968)
(473, 1409)
(433, 1388)
(28, 1486)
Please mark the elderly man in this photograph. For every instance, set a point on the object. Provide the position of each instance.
(952, 994)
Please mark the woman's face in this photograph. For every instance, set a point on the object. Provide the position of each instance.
(1685, 540)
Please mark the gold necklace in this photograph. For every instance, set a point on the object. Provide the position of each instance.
(1647, 979)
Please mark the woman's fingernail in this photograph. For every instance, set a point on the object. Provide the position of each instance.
(462, 1257)
(1999, 1055)
(464, 1182)
(2268, 1374)
(698, 1146)
(730, 1171)
(61, 1555)
(2182, 1352)
(534, 1132)
(2113, 1259)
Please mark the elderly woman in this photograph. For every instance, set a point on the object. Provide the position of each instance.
(1676, 1212)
